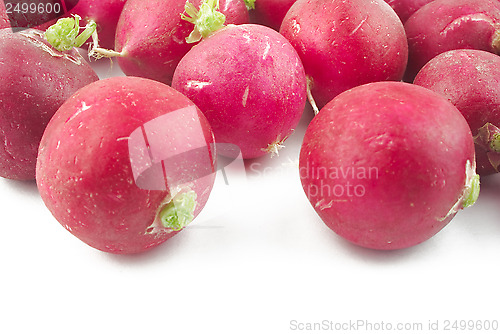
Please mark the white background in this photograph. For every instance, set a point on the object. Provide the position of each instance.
(257, 259)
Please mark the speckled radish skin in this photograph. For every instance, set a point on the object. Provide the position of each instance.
(387, 165)
(36, 81)
(152, 45)
(250, 84)
(470, 80)
(106, 167)
(270, 12)
(445, 25)
(405, 8)
(344, 44)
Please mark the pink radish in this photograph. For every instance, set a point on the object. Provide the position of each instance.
(470, 80)
(387, 165)
(445, 25)
(152, 45)
(37, 79)
(346, 43)
(250, 84)
(126, 163)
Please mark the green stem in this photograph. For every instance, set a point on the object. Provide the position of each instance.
(179, 212)
(250, 4)
(64, 35)
(473, 193)
(206, 20)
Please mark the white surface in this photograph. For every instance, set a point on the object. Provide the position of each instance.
(257, 258)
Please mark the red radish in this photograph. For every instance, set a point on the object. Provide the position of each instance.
(387, 165)
(405, 8)
(152, 45)
(445, 25)
(470, 80)
(125, 163)
(346, 43)
(250, 84)
(270, 12)
(37, 79)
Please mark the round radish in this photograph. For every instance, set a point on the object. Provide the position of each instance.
(37, 79)
(152, 45)
(125, 163)
(346, 43)
(250, 84)
(387, 165)
(270, 12)
(444, 25)
(405, 8)
(470, 79)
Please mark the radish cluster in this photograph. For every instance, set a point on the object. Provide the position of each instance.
(126, 163)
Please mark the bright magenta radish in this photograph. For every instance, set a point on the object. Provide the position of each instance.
(250, 84)
(387, 165)
(344, 44)
(37, 79)
(270, 12)
(445, 25)
(470, 80)
(151, 45)
(126, 163)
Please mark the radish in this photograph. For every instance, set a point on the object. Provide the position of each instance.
(387, 165)
(345, 43)
(270, 12)
(250, 84)
(126, 163)
(470, 80)
(152, 45)
(37, 80)
(405, 8)
(445, 25)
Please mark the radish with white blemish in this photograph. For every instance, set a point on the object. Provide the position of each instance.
(250, 84)
(152, 36)
(345, 43)
(37, 79)
(445, 25)
(387, 165)
(126, 163)
(470, 80)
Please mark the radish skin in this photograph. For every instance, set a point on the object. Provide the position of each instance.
(387, 165)
(470, 80)
(445, 25)
(406, 8)
(37, 81)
